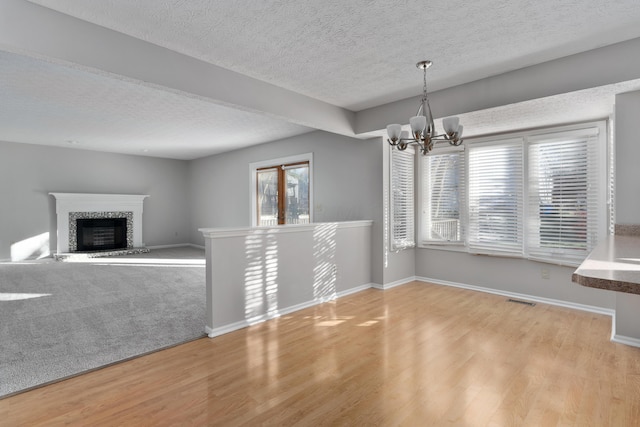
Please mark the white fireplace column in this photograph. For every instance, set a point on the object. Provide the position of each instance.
(88, 203)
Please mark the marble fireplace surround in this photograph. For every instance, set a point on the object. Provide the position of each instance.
(70, 206)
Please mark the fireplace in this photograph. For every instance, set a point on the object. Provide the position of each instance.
(99, 234)
(121, 230)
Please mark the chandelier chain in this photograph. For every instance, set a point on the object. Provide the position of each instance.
(424, 86)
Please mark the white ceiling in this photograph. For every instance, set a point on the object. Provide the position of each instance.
(352, 54)
(50, 104)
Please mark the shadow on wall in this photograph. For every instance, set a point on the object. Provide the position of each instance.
(261, 271)
(35, 247)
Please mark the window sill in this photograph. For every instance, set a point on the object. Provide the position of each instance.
(453, 247)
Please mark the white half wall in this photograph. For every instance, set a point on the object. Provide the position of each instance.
(254, 274)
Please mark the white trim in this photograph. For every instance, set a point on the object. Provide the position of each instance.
(400, 282)
(221, 330)
(254, 166)
(550, 301)
(354, 290)
(532, 133)
(444, 246)
(621, 339)
(220, 233)
(176, 245)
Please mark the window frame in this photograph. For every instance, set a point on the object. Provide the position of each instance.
(410, 222)
(595, 155)
(518, 249)
(422, 240)
(604, 178)
(278, 163)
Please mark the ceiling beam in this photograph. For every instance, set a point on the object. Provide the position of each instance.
(39, 32)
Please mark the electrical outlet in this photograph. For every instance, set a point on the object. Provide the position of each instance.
(544, 273)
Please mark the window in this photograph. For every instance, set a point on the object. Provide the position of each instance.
(539, 195)
(495, 197)
(564, 195)
(402, 198)
(442, 189)
(282, 192)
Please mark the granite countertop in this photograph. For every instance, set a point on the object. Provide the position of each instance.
(614, 265)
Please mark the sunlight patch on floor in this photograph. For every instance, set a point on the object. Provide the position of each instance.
(5, 296)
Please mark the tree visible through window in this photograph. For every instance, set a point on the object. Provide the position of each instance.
(283, 194)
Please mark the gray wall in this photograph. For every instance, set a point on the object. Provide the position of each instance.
(509, 274)
(627, 192)
(346, 181)
(29, 172)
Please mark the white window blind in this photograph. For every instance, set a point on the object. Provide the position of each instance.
(442, 197)
(496, 198)
(402, 199)
(564, 194)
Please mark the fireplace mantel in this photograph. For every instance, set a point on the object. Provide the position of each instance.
(68, 203)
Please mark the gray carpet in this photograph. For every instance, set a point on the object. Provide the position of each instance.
(58, 319)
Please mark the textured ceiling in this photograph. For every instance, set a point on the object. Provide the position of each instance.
(361, 53)
(45, 103)
(353, 54)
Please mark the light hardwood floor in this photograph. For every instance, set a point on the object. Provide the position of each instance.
(415, 355)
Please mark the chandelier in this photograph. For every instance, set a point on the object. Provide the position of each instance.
(423, 130)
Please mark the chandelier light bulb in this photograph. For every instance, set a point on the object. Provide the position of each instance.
(418, 124)
(450, 125)
(394, 131)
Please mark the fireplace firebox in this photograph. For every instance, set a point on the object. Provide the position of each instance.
(99, 234)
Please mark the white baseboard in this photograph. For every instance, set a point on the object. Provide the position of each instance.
(354, 290)
(176, 245)
(542, 300)
(221, 330)
(394, 284)
(621, 339)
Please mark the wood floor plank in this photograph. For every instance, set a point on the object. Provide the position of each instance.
(415, 355)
